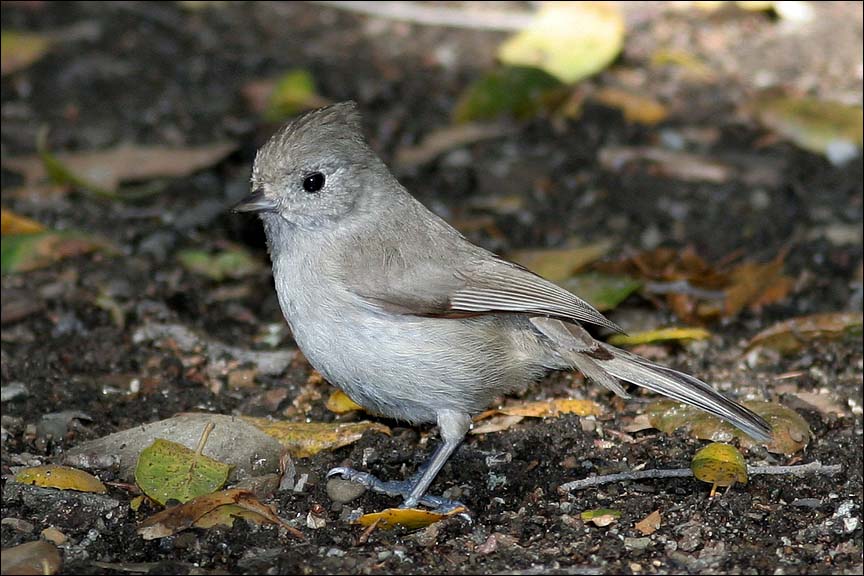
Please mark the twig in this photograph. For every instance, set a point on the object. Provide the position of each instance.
(799, 470)
(419, 13)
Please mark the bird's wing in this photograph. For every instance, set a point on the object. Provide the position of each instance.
(469, 282)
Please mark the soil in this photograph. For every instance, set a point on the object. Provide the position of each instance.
(159, 73)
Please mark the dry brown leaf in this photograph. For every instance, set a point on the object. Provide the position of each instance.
(553, 408)
(205, 510)
(557, 264)
(106, 169)
(755, 285)
(445, 139)
(649, 524)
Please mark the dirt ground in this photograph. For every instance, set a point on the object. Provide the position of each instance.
(156, 73)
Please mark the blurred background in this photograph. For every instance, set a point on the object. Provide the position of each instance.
(693, 165)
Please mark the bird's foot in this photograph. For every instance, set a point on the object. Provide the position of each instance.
(398, 488)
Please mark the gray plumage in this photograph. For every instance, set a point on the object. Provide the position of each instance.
(400, 311)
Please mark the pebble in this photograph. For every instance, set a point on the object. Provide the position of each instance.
(344, 491)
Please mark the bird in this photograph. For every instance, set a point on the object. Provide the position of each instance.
(410, 319)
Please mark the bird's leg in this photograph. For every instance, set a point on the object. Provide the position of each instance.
(453, 427)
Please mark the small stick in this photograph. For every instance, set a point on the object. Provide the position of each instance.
(204, 436)
(799, 470)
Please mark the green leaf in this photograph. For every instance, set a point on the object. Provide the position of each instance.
(25, 252)
(520, 92)
(232, 263)
(603, 291)
(170, 471)
(569, 40)
(294, 92)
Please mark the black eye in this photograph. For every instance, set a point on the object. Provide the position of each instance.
(314, 182)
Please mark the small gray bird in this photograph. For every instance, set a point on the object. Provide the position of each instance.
(411, 320)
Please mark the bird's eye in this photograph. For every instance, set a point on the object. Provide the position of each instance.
(313, 182)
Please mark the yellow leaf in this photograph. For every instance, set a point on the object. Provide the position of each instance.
(720, 465)
(637, 108)
(659, 335)
(570, 40)
(11, 223)
(557, 407)
(304, 439)
(340, 403)
(410, 518)
(62, 477)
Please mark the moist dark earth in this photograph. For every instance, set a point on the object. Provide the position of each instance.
(161, 74)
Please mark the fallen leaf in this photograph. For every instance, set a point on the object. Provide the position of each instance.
(825, 403)
(304, 439)
(637, 108)
(509, 91)
(557, 264)
(217, 509)
(600, 516)
(37, 557)
(603, 291)
(675, 334)
(755, 285)
(278, 99)
(494, 424)
(104, 170)
(553, 408)
(340, 403)
(791, 335)
(232, 262)
(410, 518)
(698, 291)
(12, 224)
(790, 432)
(649, 524)
(569, 40)
(831, 129)
(26, 252)
(61, 477)
(720, 465)
(170, 471)
(21, 49)
(445, 139)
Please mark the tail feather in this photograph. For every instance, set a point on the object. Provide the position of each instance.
(684, 388)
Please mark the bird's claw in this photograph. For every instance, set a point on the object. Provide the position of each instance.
(401, 488)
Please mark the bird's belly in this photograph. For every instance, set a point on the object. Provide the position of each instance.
(409, 367)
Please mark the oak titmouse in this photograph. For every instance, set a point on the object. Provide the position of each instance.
(411, 320)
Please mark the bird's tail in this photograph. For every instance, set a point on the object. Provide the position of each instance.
(684, 388)
(606, 365)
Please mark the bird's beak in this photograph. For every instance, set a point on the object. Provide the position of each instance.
(256, 202)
